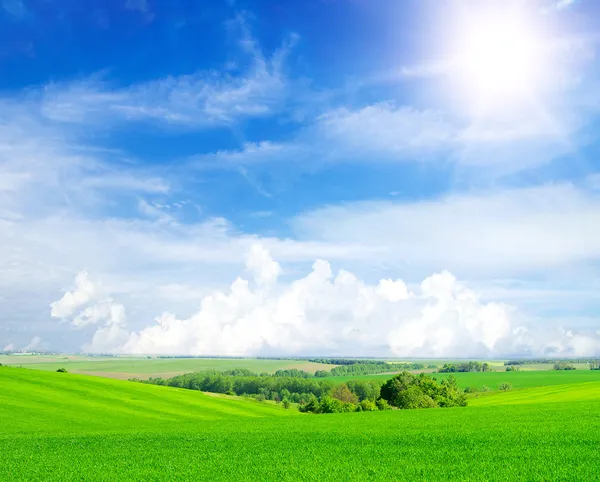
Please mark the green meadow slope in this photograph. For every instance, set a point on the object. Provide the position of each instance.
(43, 402)
(65, 427)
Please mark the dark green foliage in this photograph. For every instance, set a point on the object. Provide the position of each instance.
(472, 366)
(242, 382)
(365, 389)
(373, 368)
(505, 387)
(512, 368)
(327, 404)
(62, 370)
(294, 372)
(346, 361)
(409, 391)
(538, 361)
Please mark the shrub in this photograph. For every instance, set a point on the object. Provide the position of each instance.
(61, 370)
(382, 404)
(409, 391)
(505, 387)
(367, 406)
(286, 403)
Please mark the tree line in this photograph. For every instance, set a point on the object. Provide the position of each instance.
(472, 366)
(404, 391)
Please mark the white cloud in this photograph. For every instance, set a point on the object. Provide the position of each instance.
(33, 344)
(562, 4)
(9, 347)
(327, 313)
(84, 292)
(388, 133)
(264, 269)
(504, 232)
(204, 98)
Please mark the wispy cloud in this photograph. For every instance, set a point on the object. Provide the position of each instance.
(200, 99)
(562, 4)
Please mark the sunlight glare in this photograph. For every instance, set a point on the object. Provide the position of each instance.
(499, 59)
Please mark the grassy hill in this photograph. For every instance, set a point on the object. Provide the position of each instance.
(43, 402)
(67, 427)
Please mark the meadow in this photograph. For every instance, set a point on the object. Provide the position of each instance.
(58, 426)
(143, 367)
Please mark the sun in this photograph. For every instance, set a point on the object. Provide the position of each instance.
(498, 58)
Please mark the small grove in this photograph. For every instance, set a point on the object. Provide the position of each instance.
(404, 391)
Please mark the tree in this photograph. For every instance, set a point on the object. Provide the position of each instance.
(343, 393)
(286, 403)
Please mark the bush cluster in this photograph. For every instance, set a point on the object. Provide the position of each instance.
(407, 391)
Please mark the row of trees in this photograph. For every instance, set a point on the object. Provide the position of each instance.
(531, 361)
(269, 387)
(563, 365)
(472, 366)
(372, 368)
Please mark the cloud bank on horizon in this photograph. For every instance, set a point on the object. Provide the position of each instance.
(322, 312)
(450, 178)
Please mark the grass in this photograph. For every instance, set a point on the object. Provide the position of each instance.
(68, 427)
(575, 392)
(524, 379)
(127, 367)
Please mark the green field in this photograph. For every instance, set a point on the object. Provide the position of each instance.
(68, 427)
(142, 367)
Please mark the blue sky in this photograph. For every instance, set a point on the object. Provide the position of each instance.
(153, 151)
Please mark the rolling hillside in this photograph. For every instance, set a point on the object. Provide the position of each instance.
(39, 401)
(62, 427)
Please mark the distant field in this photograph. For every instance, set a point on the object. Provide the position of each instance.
(524, 379)
(574, 392)
(67, 427)
(127, 367)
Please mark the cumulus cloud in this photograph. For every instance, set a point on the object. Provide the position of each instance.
(33, 344)
(84, 292)
(324, 312)
(264, 269)
(88, 304)
(9, 347)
